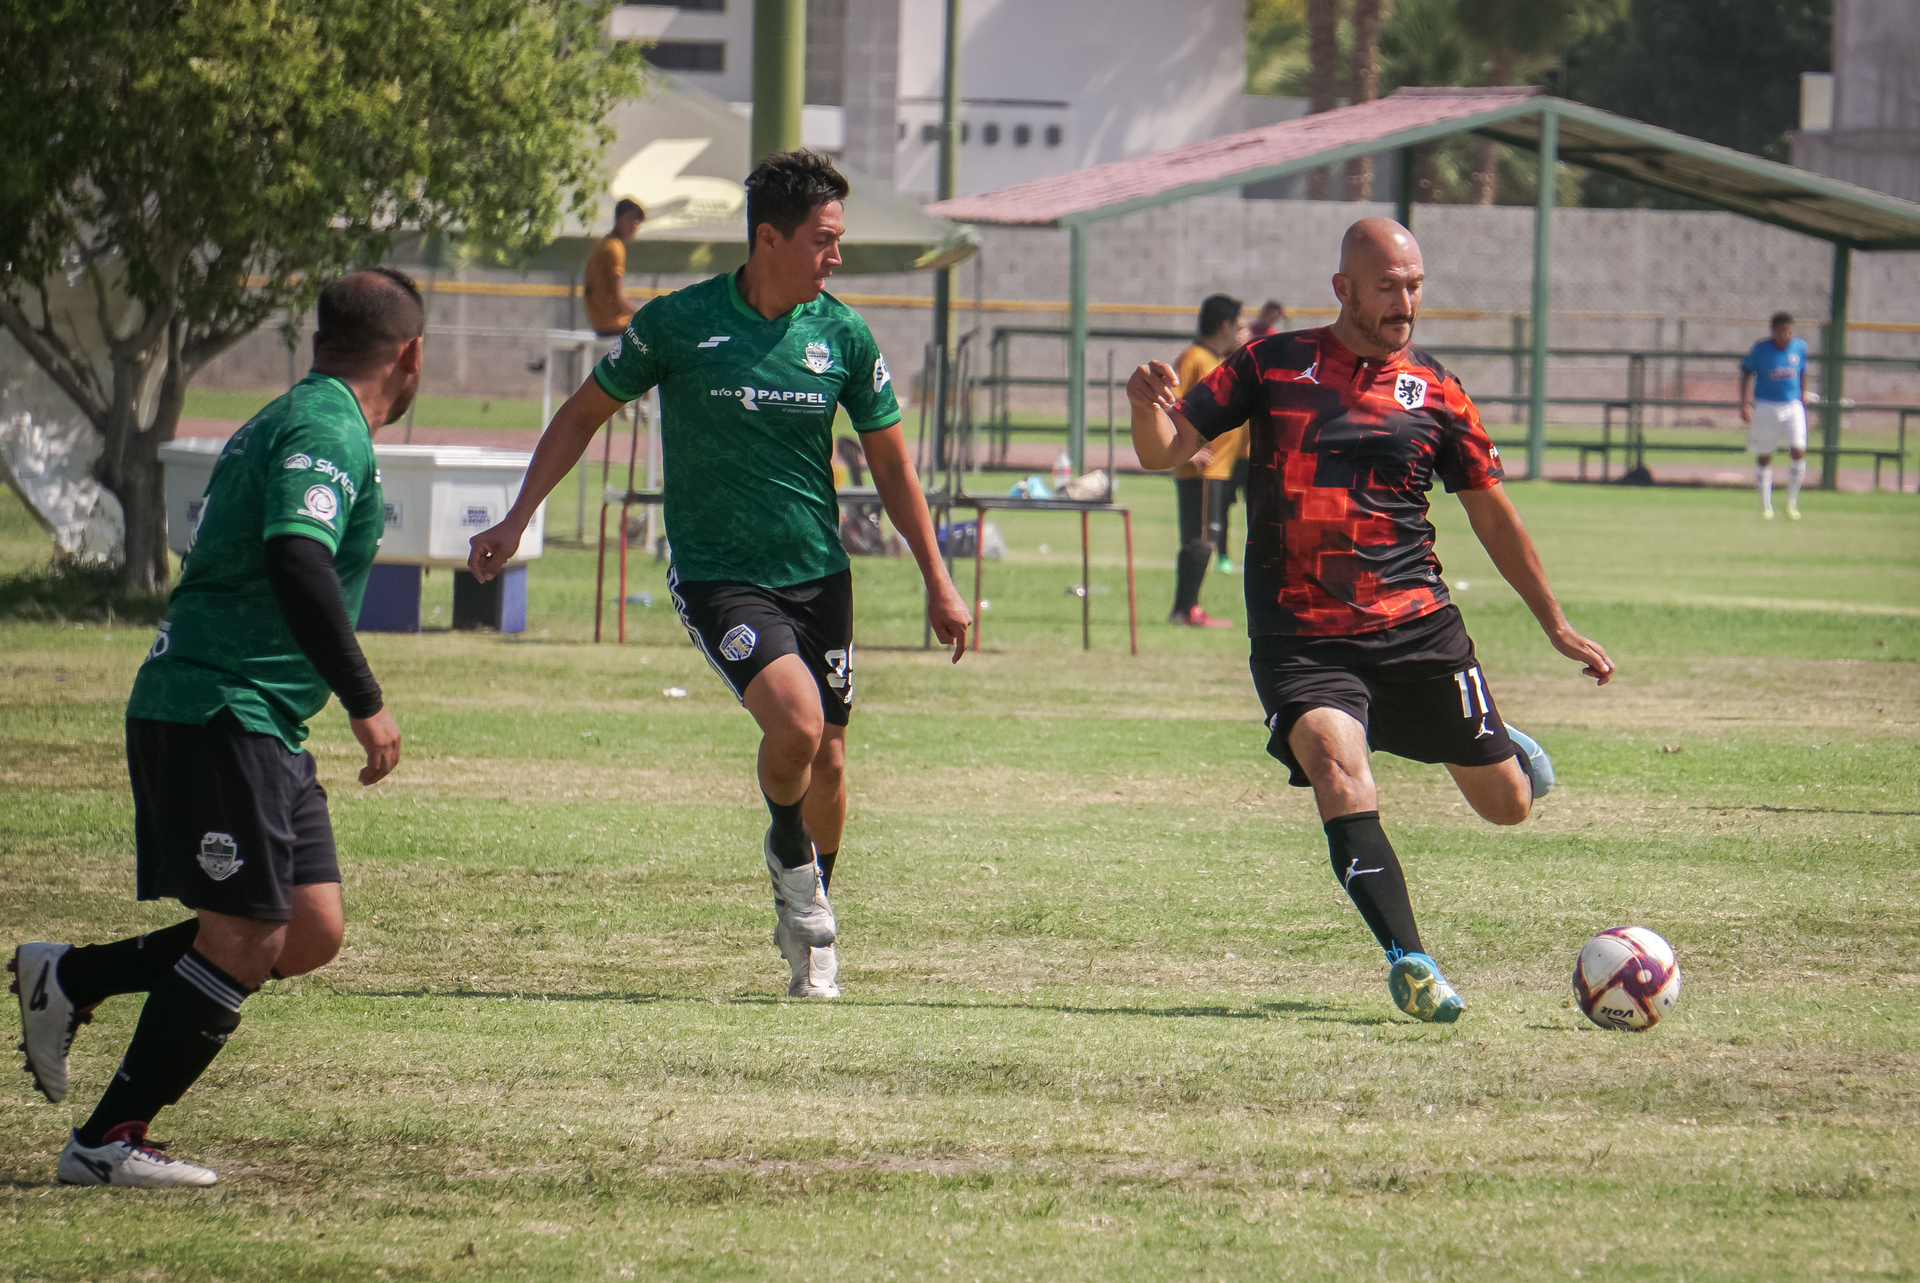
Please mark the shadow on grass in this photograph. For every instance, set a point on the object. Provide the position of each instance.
(75, 593)
(1324, 1012)
(1799, 810)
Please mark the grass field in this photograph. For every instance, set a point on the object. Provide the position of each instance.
(1107, 1015)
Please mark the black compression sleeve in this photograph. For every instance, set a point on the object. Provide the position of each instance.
(300, 572)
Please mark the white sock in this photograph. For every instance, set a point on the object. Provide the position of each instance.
(1796, 473)
(1763, 477)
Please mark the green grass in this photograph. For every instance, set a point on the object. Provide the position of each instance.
(1107, 1015)
(428, 411)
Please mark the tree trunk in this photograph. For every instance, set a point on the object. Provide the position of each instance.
(1364, 83)
(141, 490)
(1323, 72)
(1486, 160)
(130, 465)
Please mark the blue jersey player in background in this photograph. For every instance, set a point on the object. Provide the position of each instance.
(1773, 406)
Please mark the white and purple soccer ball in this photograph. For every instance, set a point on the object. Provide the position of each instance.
(1626, 978)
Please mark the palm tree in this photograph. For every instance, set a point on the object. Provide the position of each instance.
(1363, 80)
(1323, 52)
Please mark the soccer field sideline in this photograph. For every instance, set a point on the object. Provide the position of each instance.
(554, 1046)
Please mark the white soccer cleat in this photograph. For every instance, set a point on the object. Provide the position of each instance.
(816, 972)
(47, 1019)
(126, 1158)
(800, 900)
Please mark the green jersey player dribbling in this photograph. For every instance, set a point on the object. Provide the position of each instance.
(751, 366)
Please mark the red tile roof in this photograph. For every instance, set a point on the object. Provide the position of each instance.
(1045, 201)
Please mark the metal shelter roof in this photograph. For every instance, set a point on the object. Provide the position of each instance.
(1732, 180)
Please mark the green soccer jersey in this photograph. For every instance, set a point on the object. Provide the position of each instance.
(302, 466)
(746, 426)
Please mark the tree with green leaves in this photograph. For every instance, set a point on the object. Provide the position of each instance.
(1727, 71)
(198, 166)
(1516, 32)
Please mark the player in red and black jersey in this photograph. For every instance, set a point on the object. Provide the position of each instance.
(1355, 644)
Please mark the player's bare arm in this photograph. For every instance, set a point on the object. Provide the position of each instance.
(560, 448)
(1501, 532)
(1746, 397)
(1162, 438)
(906, 505)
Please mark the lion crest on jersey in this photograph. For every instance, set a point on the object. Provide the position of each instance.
(819, 358)
(1410, 390)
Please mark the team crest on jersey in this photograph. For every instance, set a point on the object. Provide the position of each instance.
(880, 375)
(298, 462)
(1410, 390)
(220, 856)
(819, 358)
(614, 353)
(322, 505)
(738, 643)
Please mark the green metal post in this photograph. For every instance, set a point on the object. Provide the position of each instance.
(947, 188)
(1403, 206)
(1542, 295)
(1833, 369)
(779, 74)
(1077, 348)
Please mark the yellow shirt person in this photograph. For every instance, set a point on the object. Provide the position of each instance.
(608, 310)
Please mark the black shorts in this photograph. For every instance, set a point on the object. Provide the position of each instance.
(226, 819)
(1416, 687)
(741, 628)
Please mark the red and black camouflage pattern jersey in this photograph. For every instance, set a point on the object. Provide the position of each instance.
(1345, 450)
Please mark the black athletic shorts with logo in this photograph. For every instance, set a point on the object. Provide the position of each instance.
(741, 628)
(226, 819)
(1416, 687)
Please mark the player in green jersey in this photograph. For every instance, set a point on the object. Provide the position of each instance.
(228, 817)
(750, 367)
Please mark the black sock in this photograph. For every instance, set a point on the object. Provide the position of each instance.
(93, 973)
(1364, 862)
(791, 844)
(826, 869)
(188, 1018)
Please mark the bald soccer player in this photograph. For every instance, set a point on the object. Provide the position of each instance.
(228, 815)
(1355, 646)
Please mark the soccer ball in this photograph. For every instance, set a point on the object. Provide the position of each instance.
(1626, 978)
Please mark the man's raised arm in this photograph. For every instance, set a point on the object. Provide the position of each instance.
(1161, 437)
(560, 448)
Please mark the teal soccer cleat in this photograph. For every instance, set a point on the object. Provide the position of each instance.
(1421, 991)
(1535, 759)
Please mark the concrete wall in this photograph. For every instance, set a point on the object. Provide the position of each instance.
(1622, 278)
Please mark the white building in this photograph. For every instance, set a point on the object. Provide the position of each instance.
(1047, 86)
(1862, 123)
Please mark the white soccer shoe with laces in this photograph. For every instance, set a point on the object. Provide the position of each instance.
(126, 1158)
(800, 901)
(47, 1019)
(816, 972)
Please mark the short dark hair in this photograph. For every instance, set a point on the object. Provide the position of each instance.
(1275, 304)
(623, 207)
(1216, 310)
(1780, 319)
(785, 189)
(362, 313)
